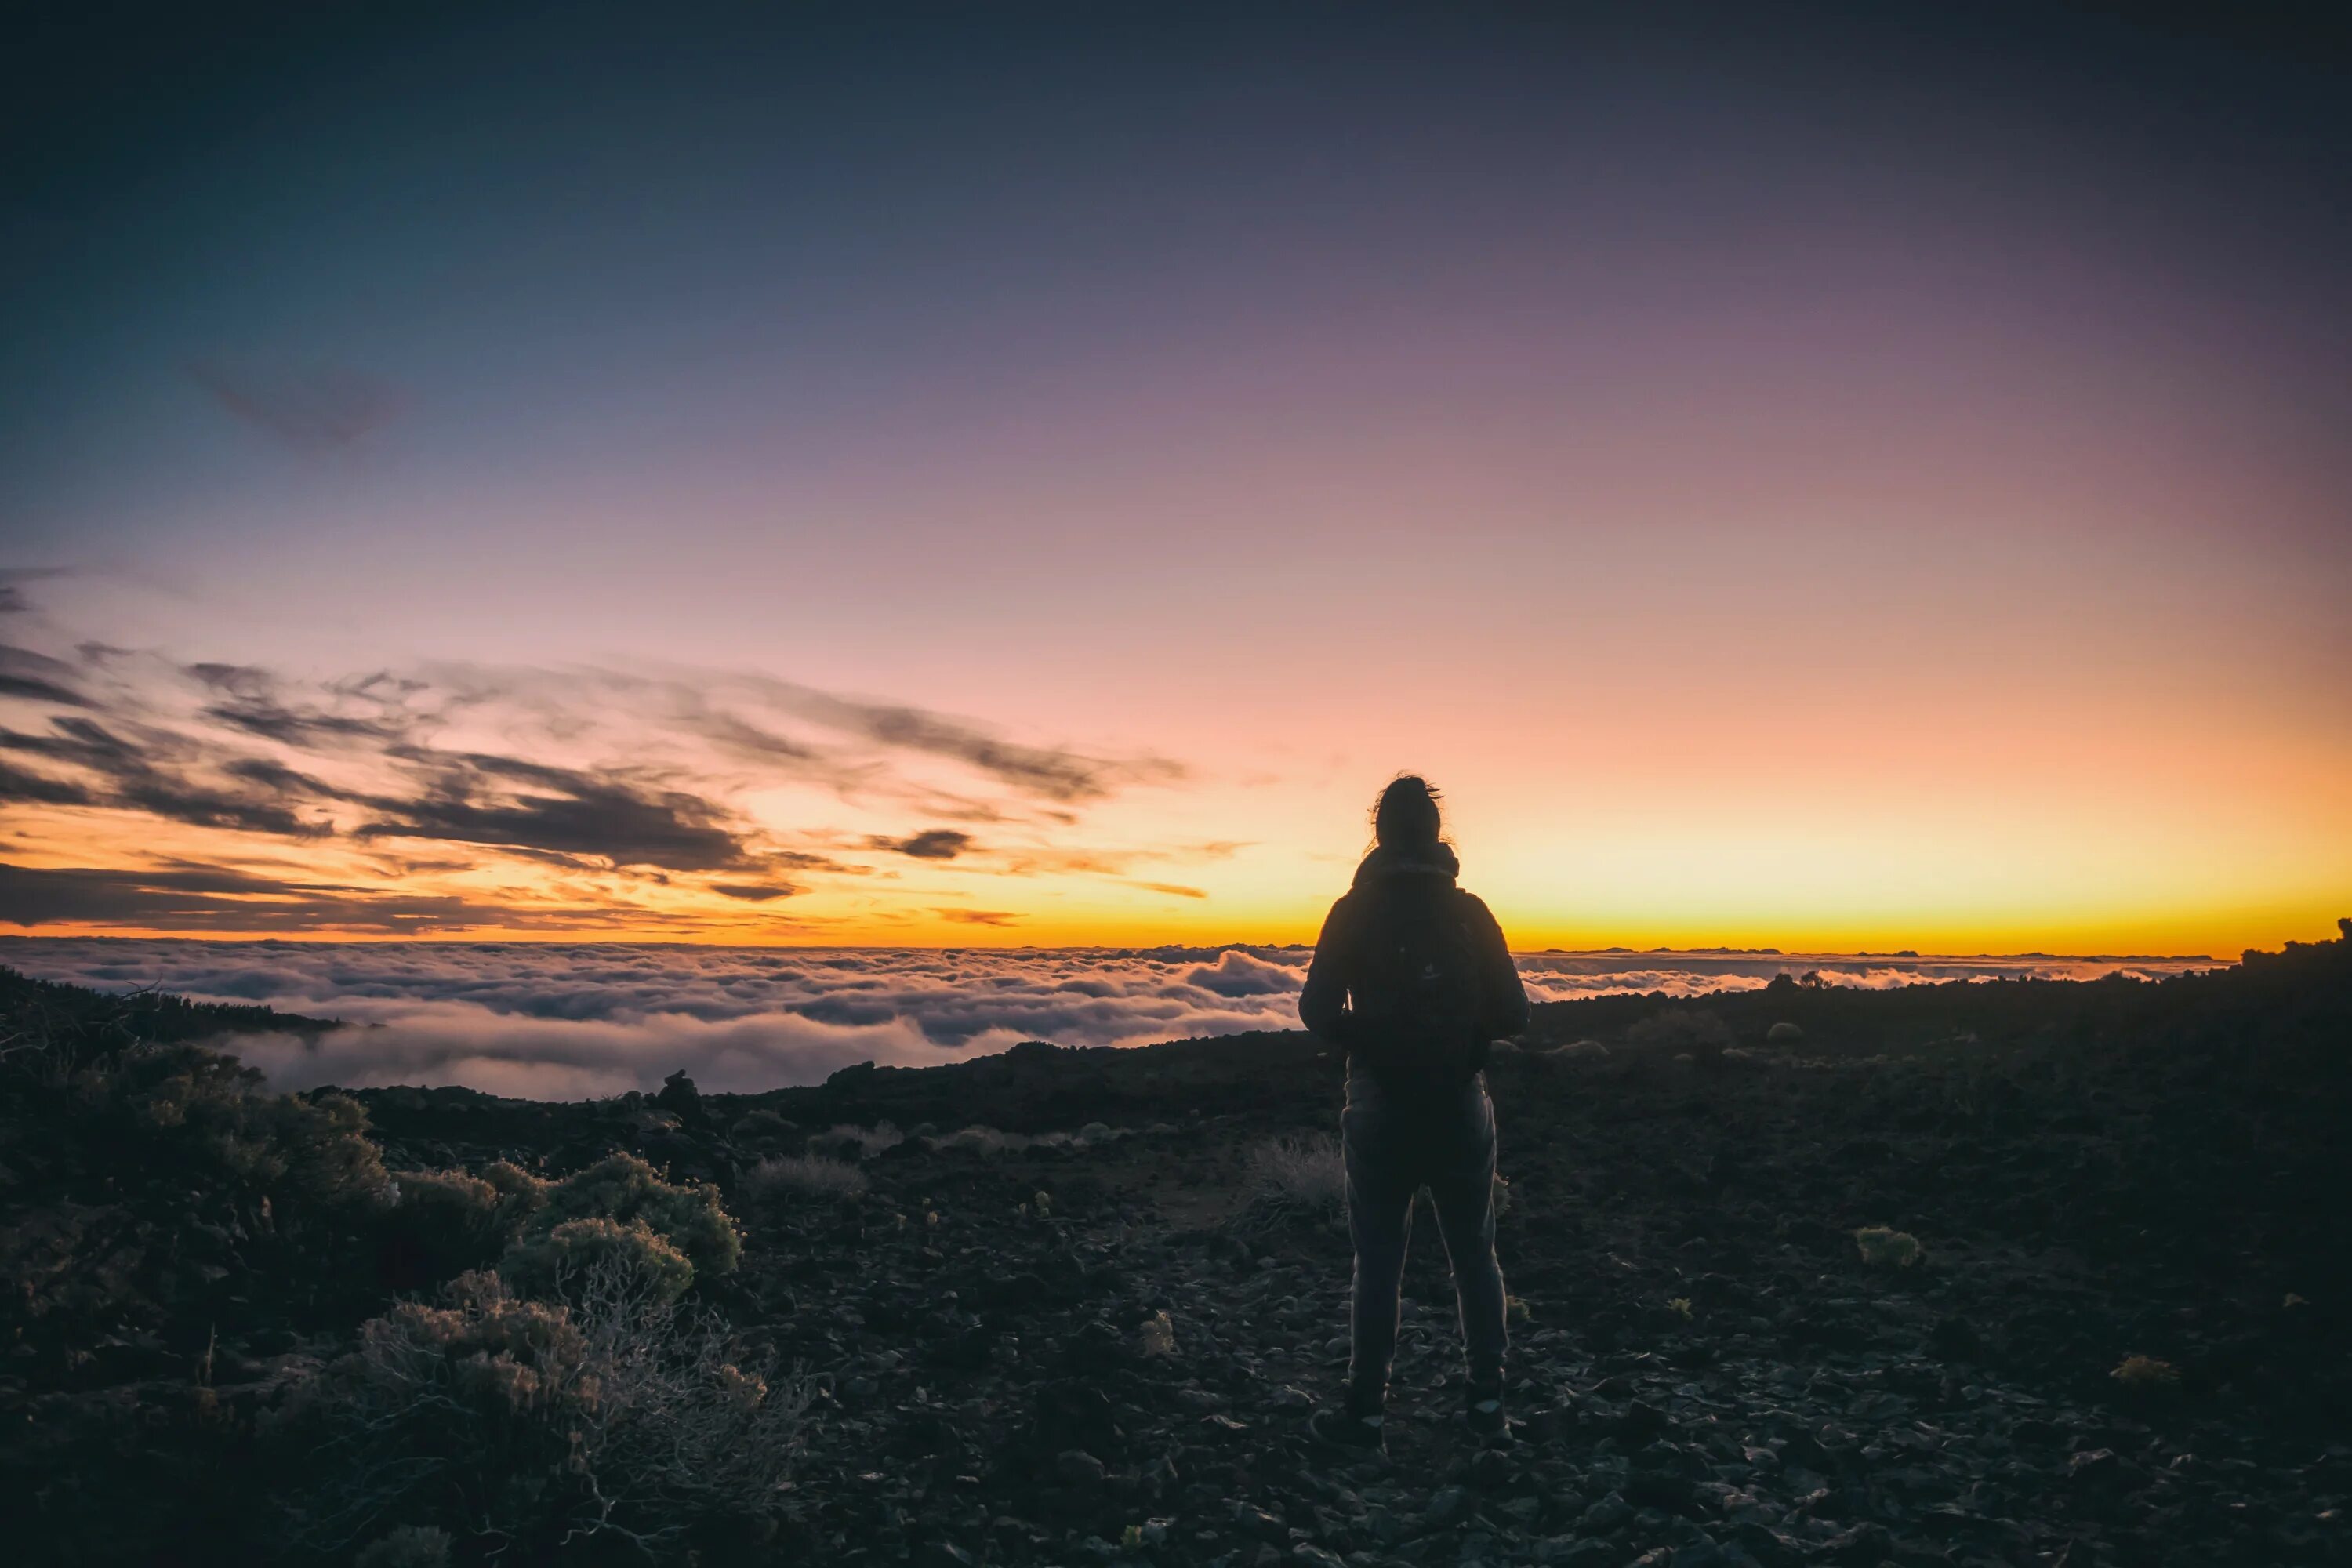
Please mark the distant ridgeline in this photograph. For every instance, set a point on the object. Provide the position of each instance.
(31, 1005)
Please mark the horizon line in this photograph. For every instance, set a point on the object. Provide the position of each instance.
(1907, 955)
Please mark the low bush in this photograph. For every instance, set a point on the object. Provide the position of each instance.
(443, 1223)
(534, 1426)
(556, 1263)
(762, 1126)
(440, 1224)
(623, 1188)
(802, 1177)
(521, 1193)
(210, 1115)
(996, 1141)
(857, 1143)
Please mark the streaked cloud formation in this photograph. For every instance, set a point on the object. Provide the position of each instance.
(572, 1020)
(150, 793)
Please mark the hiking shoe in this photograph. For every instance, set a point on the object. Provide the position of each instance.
(1364, 1433)
(1483, 1412)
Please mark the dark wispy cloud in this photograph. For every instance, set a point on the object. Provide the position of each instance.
(979, 917)
(754, 893)
(931, 843)
(313, 409)
(216, 899)
(17, 784)
(14, 599)
(1174, 890)
(37, 677)
(1050, 773)
(506, 803)
(161, 774)
(250, 700)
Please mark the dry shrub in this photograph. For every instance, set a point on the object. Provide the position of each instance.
(994, 1141)
(857, 1143)
(763, 1126)
(985, 1140)
(802, 1177)
(534, 1424)
(1291, 1179)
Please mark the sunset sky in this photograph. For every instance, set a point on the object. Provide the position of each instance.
(995, 477)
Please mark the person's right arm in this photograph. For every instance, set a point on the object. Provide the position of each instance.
(1323, 1004)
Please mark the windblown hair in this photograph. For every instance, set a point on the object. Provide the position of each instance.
(1407, 815)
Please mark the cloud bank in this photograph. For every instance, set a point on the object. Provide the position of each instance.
(575, 1020)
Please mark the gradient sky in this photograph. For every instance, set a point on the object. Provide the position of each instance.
(1031, 476)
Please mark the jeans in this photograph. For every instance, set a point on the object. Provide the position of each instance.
(1393, 1146)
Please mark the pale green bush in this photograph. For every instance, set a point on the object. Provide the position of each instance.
(554, 1263)
(624, 1188)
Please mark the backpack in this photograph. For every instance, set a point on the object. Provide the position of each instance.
(1415, 987)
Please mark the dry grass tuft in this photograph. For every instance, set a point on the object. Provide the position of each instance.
(1882, 1247)
(857, 1143)
(1290, 1179)
(783, 1179)
(2146, 1375)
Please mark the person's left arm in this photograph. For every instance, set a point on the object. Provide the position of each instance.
(1502, 997)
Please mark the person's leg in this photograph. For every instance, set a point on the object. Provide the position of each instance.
(1379, 1223)
(1463, 1189)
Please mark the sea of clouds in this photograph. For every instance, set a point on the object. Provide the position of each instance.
(569, 1021)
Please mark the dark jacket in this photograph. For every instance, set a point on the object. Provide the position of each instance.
(1339, 952)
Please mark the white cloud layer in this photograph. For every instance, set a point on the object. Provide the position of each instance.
(574, 1020)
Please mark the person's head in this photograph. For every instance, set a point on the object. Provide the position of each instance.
(1406, 816)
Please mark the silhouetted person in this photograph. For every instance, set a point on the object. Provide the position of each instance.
(1412, 978)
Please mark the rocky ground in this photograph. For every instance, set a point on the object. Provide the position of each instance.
(1706, 1368)
(1095, 1346)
